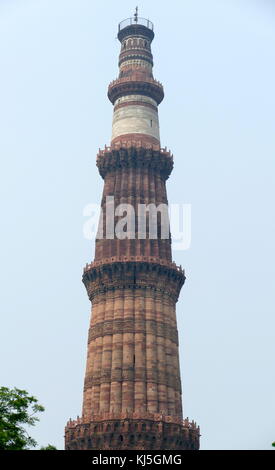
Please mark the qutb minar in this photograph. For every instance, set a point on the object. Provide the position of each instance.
(132, 389)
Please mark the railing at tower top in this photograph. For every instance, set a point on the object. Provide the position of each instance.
(139, 21)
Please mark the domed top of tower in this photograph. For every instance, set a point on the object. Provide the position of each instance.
(136, 26)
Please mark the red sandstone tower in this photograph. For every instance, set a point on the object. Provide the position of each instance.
(132, 389)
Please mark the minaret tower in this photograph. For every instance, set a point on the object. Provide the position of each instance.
(132, 389)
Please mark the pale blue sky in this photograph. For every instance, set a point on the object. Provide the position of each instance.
(216, 60)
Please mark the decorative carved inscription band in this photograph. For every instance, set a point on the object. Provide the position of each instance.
(133, 375)
(116, 326)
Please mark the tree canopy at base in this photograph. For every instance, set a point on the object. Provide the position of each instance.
(49, 447)
(17, 409)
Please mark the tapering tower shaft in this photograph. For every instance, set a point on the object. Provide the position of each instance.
(132, 390)
(135, 94)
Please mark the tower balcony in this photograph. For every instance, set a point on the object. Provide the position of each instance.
(136, 22)
(135, 26)
(125, 431)
(134, 272)
(133, 85)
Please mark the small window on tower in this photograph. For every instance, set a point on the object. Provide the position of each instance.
(151, 123)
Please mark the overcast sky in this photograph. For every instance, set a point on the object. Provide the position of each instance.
(216, 60)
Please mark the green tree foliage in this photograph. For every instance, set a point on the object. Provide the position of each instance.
(49, 447)
(17, 409)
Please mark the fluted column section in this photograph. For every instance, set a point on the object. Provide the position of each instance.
(105, 385)
(127, 187)
(151, 357)
(128, 352)
(140, 356)
(161, 358)
(117, 356)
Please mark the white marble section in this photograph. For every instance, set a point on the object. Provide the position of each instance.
(135, 118)
(142, 98)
